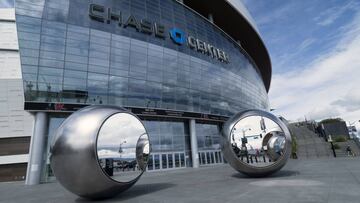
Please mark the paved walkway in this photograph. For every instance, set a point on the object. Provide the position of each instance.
(320, 180)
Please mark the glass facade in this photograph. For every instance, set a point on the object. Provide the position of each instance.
(7, 4)
(208, 136)
(209, 143)
(67, 57)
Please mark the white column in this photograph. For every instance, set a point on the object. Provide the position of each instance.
(194, 146)
(37, 147)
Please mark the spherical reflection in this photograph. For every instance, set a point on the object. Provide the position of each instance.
(117, 142)
(142, 151)
(276, 146)
(256, 142)
(99, 151)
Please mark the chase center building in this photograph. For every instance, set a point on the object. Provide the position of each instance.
(183, 67)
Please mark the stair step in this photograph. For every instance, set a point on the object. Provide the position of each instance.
(309, 144)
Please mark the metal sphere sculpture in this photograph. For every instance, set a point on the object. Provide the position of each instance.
(256, 143)
(99, 151)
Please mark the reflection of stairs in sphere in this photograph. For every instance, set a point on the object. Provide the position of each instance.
(309, 144)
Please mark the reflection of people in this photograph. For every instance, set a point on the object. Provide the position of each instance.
(294, 155)
(109, 167)
(349, 151)
(244, 153)
(236, 149)
(129, 165)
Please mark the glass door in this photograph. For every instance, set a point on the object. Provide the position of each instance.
(156, 161)
(170, 161)
(166, 161)
(210, 157)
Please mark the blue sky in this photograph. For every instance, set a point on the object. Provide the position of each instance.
(315, 51)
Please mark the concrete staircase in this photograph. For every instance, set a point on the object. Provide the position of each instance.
(343, 145)
(309, 144)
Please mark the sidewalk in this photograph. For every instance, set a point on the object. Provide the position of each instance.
(318, 180)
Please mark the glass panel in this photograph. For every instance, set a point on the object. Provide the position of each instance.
(182, 158)
(208, 136)
(208, 157)
(177, 160)
(212, 157)
(203, 158)
(170, 159)
(200, 161)
(150, 163)
(166, 136)
(164, 161)
(7, 4)
(157, 161)
(216, 157)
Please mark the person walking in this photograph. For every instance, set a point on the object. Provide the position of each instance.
(349, 151)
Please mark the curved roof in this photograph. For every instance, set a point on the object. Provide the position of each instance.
(243, 10)
(233, 18)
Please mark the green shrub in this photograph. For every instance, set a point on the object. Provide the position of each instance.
(294, 145)
(340, 139)
(336, 146)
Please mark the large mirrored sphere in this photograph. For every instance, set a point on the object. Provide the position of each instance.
(256, 143)
(99, 151)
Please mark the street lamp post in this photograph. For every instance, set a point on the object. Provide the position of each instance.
(243, 143)
(120, 148)
(352, 123)
(332, 145)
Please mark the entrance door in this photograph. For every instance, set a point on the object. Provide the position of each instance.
(170, 161)
(210, 157)
(166, 161)
(157, 161)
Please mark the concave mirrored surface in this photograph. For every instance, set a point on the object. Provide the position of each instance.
(257, 141)
(123, 147)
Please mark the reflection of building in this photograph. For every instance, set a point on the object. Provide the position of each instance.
(352, 131)
(182, 66)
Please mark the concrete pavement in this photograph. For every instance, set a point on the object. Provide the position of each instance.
(318, 180)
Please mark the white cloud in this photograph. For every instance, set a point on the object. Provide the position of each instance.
(351, 101)
(306, 43)
(277, 14)
(332, 14)
(327, 87)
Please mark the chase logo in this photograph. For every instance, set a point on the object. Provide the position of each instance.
(106, 15)
(177, 35)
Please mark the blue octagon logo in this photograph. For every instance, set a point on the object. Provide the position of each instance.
(177, 35)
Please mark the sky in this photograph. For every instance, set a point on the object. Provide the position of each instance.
(120, 129)
(314, 47)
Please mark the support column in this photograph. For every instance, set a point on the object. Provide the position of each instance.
(37, 147)
(194, 146)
